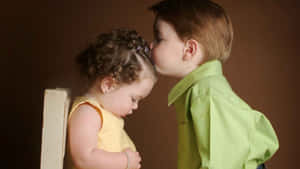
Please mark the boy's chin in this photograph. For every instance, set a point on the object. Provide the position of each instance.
(162, 72)
(168, 73)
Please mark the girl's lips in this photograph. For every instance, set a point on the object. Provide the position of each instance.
(128, 113)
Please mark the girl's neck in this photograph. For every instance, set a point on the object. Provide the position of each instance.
(94, 94)
(99, 97)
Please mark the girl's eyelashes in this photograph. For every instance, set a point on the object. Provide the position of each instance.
(136, 99)
(133, 99)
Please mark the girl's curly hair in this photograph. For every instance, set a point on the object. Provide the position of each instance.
(116, 54)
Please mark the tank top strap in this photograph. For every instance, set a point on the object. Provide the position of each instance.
(85, 100)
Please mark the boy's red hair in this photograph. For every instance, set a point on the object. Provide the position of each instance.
(202, 20)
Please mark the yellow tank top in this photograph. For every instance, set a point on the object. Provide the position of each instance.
(112, 137)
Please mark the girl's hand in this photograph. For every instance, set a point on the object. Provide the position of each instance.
(133, 159)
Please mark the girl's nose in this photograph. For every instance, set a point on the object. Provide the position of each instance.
(135, 106)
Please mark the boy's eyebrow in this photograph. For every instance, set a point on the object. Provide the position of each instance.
(155, 29)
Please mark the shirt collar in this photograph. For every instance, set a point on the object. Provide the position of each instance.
(213, 67)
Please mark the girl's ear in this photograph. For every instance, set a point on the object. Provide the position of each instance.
(191, 48)
(107, 84)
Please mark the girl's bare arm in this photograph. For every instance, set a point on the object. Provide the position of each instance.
(84, 126)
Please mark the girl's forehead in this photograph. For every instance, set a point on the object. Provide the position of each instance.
(144, 87)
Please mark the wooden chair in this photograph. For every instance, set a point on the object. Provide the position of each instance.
(55, 114)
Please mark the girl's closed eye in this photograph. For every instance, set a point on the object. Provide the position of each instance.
(134, 100)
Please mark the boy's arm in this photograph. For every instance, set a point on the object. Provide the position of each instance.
(83, 128)
(266, 141)
(224, 133)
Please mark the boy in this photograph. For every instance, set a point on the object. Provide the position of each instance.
(217, 129)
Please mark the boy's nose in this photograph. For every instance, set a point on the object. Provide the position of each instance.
(151, 45)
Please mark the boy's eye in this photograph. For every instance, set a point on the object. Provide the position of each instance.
(156, 41)
(157, 38)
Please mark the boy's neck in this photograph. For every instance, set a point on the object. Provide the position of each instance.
(190, 67)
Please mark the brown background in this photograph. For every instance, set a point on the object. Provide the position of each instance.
(39, 40)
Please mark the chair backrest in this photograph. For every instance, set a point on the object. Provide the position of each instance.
(55, 114)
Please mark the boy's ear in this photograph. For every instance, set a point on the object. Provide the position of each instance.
(107, 84)
(191, 49)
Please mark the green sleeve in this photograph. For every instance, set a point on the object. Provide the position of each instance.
(264, 139)
(224, 131)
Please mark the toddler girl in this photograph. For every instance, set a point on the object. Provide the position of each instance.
(120, 74)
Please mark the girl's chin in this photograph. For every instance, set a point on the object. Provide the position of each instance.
(123, 115)
(120, 115)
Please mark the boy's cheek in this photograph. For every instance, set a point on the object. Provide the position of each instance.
(153, 56)
(155, 60)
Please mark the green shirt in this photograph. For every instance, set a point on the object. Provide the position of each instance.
(217, 129)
